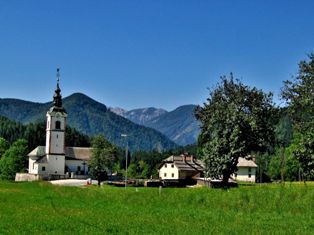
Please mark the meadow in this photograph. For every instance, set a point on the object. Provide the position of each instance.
(41, 208)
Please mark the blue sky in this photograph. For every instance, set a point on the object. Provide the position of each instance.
(157, 53)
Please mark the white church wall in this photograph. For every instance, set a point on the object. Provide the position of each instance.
(42, 168)
(57, 142)
(76, 166)
(32, 166)
(56, 164)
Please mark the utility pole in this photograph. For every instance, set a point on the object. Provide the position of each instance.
(126, 159)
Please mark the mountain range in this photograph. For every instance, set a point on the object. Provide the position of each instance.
(179, 125)
(90, 117)
(147, 128)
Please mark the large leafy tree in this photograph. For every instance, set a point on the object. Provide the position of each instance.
(4, 145)
(103, 157)
(236, 120)
(14, 160)
(299, 95)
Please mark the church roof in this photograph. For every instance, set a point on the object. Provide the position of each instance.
(71, 153)
(78, 153)
(37, 152)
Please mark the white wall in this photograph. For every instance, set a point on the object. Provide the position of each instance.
(56, 164)
(169, 171)
(57, 142)
(37, 168)
(40, 167)
(243, 174)
(32, 166)
(73, 165)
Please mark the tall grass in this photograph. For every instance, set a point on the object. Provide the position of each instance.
(41, 208)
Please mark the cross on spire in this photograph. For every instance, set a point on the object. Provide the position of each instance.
(58, 75)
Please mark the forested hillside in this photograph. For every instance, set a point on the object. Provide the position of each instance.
(35, 134)
(91, 118)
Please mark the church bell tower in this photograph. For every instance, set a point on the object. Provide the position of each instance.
(55, 133)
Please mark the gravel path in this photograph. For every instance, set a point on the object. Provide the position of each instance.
(72, 182)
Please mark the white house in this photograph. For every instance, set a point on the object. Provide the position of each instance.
(55, 160)
(246, 170)
(183, 167)
(178, 168)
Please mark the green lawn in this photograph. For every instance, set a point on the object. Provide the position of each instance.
(41, 208)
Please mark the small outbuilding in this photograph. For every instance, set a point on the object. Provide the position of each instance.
(246, 170)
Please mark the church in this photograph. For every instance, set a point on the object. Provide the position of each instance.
(55, 160)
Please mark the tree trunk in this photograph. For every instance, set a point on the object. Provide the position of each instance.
(225, 180)
(98, 178)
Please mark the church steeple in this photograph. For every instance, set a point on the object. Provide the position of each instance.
(57, 98)
(56, 124)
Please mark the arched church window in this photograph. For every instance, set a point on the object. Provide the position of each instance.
(58, 125)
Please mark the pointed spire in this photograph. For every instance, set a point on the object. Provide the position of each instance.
(58, 78)
(57, 98)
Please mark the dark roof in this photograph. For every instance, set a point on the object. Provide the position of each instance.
(71, 153)
(184, 162)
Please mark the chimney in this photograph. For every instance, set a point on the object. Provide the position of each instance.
(192, 158)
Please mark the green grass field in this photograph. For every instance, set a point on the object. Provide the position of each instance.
(41, 208)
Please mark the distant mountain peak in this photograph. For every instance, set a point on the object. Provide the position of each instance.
(78, 95)
(118, 111)
(180, 125)
(140, 116)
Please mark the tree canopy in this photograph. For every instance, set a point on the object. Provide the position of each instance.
(236, 120)
(299, 95)
(103, 157)
(14, 160)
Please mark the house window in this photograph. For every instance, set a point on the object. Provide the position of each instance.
(250, 170)
(166, 165)
(249, 175)
(78, 168)
(172, 175)
(58, 125)
(172, 166)
(165, 174)
(43, 168)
